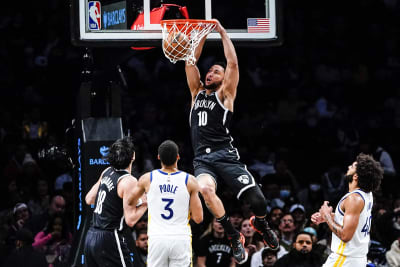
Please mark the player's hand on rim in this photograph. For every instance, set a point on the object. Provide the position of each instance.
(218, 26)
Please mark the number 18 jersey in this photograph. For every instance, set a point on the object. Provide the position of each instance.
(168, 204)
(358, 245)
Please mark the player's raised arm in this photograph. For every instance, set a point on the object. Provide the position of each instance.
(195, 207)
(231, 79)
(193, 73)
(353, 206)
(132, 190)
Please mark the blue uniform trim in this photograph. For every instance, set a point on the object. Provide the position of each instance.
(361, 196)
(151, 177)
(187, 177)
(339, 209)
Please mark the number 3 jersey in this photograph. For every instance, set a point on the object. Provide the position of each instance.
(168, 204)
(209, 123)
(358, 245)
(108, 213)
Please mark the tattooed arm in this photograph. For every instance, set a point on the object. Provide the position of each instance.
(352, 207)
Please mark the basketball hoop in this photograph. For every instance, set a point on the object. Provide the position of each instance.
(182, 36)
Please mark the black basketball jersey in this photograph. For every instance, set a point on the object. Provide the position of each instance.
(217, 251)
(108, 212)
(209, 123)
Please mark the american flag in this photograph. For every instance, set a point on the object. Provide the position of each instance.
(258, 25)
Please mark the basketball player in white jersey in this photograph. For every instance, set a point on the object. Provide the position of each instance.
(172, 199)
(351, 222)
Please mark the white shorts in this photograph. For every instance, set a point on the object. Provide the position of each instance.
(336, 260)
(171, 252)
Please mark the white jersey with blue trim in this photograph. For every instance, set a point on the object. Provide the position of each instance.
(168, 204)
(358, 245)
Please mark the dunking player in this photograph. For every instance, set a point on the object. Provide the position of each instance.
(172, 194)
(104, 244)
(215, 157)
(351, 222)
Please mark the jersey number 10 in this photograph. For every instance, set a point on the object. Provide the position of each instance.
(202, 118)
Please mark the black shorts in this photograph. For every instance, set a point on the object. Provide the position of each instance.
(106, 248)
(224, 164)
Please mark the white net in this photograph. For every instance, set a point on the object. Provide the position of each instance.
(181, 38)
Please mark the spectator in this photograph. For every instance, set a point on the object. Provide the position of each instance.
(55, 240)
(311, 197)
(388, 225)
(12, 194)
(34, 128)
(269, 257)
(393, 255)
(140, 250)
(302, 254)
(299, 215)
(287, 230)
(13, 168)
(141, 225)
(40, 201)
(24, 254)
(20, 216)
(30, 173)
(370, 146)
(318, 247)
(253, 242)
(275, 216)
(38, 222)
(215, 249)
(257, 258)
(236, 218)
(263, 163)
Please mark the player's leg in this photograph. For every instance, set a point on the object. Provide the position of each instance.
(245, 187)
(108, 249)
(158, 251)
(214, 204)
(89, 247)
(180, 253)
(207, 186)
(257, 201)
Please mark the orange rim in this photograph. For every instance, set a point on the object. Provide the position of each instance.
(181, 22)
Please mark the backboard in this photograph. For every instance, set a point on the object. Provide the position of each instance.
(136, 22)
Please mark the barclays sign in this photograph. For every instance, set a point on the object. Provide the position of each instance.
(100, 161)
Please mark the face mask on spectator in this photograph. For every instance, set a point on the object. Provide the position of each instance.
(284, 193)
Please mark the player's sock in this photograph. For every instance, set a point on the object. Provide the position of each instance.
(224, 220)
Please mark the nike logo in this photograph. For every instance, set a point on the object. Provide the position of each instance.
(231, 151)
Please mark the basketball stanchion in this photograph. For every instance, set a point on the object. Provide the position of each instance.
(182, 36)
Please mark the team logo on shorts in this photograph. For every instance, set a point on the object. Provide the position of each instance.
(244, 179)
